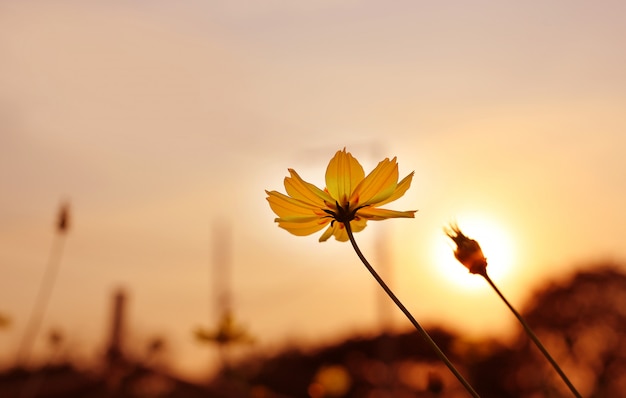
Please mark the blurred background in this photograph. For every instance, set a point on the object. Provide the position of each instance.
(161, 124)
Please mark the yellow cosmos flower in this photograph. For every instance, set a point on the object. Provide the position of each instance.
(349, 196)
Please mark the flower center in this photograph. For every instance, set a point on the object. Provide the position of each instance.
(343, 214)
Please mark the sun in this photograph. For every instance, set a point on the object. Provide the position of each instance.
(496, 246)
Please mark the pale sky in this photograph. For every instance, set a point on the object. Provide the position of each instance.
(155, 119)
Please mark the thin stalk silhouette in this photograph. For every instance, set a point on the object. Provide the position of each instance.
(533, 336)
(45, 288)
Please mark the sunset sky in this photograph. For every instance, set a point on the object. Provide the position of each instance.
(158, 120)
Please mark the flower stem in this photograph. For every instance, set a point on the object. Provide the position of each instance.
(43, 296)
(533, 336)
(406, 312)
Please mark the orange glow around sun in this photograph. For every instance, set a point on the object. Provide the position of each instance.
(495, 243)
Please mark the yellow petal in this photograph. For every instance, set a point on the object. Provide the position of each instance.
(400, 190)
(299, 189)
(285, 206)
(343, 174)
(341, 234)
(378, 185)
(303, 228)
(328, 233)
(358, 224)
(373, 213)
(300, 219)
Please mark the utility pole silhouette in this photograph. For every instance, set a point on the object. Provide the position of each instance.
(383, 306)
(383, 264)
(222, 266)
(227, 332)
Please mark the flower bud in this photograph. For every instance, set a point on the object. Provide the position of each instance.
(468, 251)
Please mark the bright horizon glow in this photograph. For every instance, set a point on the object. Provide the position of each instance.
(495, 243)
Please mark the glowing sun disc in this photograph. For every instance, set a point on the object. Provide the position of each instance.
(493, 240)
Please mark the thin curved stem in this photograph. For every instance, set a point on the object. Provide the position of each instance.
(406, 312)
(43, 296)
(533, 337)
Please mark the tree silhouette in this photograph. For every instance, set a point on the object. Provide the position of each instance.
(583, 321)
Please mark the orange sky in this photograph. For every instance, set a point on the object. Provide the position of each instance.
(156, 121)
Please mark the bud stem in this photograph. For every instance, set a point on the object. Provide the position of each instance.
(533, 336)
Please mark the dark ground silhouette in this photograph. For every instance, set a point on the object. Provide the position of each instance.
(582, 322)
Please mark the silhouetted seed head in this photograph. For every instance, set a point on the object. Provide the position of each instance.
(468, 251)
(63, 221)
